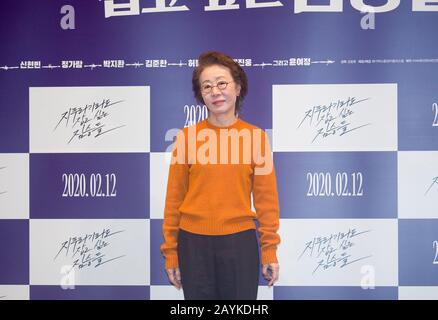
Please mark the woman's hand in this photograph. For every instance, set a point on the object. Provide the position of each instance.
(271, 272)
(174, 276)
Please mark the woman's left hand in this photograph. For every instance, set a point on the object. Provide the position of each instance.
(271, 272)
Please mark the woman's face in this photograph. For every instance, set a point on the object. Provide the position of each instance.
(219, 101)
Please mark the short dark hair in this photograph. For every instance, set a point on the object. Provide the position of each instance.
(210, 58)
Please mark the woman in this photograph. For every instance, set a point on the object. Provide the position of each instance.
(210, 241)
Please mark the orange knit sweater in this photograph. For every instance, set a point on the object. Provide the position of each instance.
(213, 172)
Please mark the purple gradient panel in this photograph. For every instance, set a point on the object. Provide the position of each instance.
(14, 113)
(418, 252)
(14, 252)
(90, 293)
(334, 293)
(158, 273)
(257, 106)
(298, 173)
(129, 184)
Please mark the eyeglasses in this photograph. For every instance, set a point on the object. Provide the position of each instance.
(221, 85)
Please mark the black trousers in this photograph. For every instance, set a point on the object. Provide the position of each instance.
(219, 267)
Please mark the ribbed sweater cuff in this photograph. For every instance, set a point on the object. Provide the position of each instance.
(269, 256)
(172, 261)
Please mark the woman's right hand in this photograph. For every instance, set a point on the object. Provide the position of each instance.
(174, 276)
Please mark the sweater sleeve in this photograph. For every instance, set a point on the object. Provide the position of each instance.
(266, 201)
(177, 186)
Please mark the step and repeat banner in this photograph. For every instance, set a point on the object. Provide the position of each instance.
(92, 94)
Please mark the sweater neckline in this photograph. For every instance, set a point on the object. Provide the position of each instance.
(233, 125)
